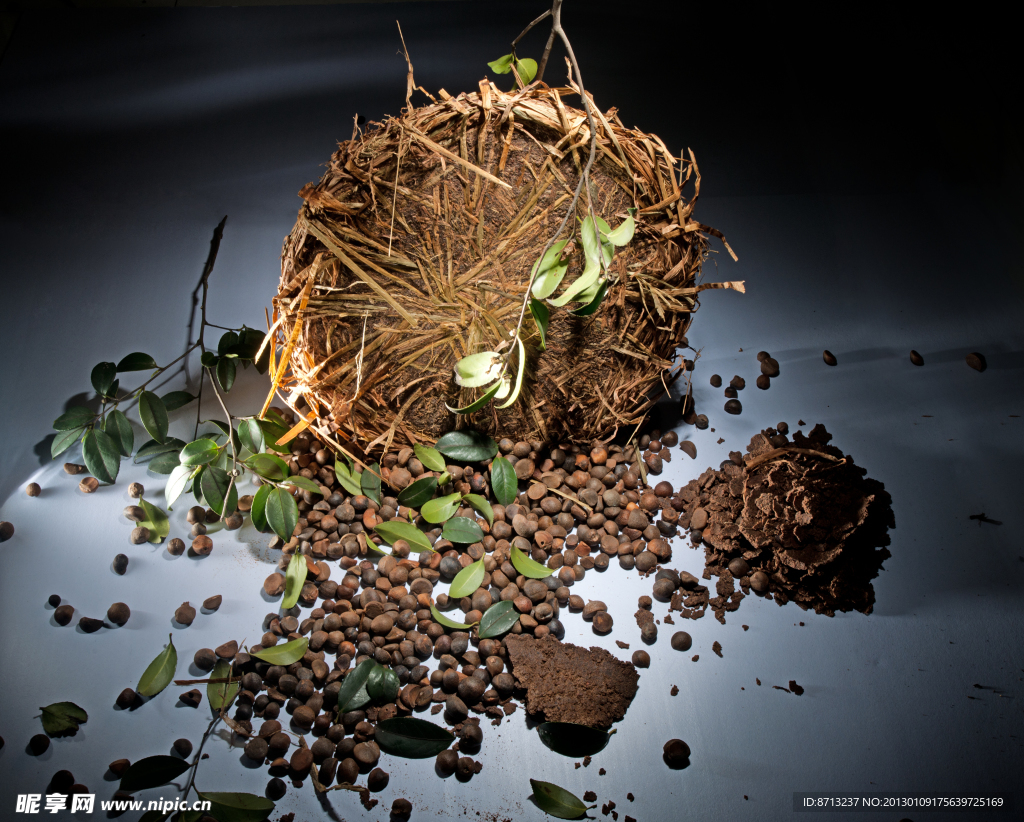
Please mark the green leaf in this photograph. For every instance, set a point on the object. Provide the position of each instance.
(390, 686)
(622, 233)
(249, 342)
(208, 359)
(101, 454)
(430, 457)
(441, 619)
(75, 417)
(503, 65)
(120, 431)
(282, 513)
(152, 448)
(284, 654)
(417, 493)
(441, 509)
(272, 432)
(294, 579)
(591, 272)
(215, 482)
(228, 340)
(304, 483)
(397, 529)
(102, 377)
(556, 801)
(153, 415)
(480, 504)
(199, 452)
(498, 619)
(137, 362)
(174, 400)
(156, 522)
(348, 478)
(370, 482)
(251, 435)
(480, 402)
(589, 237)
(226, 370)
(269, 466)
(467, 445)
(152, 772)
(527, 567)
(259, 508)
(160, 672)
(462, 530)
(572, 740)
(412, 738)
(504, 482)
(177, 483)
(353, 683)
(62, 718)
(164, 463)
(527, 70)
(238, 807)
(594, 304)
(64, 440)
(519, 375)
(548, 271)
(467, 580)
(375, 683)
(220, 694)
(542, 317)
(478, 369)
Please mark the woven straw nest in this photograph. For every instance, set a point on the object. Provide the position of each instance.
(415, 250)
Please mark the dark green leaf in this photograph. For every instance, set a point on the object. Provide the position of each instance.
(269, 466)
(220, 694)
(498, 619)
(156, 522)
(389, 686)
(152, 448)
(215, 482)
(349, 479)
(152, 772)
(197, 485)
(503, 65)
(572, 740)
(160, 671)
(226, 371)
(174, 400)
(238, 807)
(228, 340)
(62, 718)
(177, 483)
(528, 567)
(526, 69)
(249, 342)
(430, 457)
(397, 529)
(259, 508)
(153, 415)
(412, 738)
(462, 530)
(164, 463)
(294, 579)
(467, 446)
(74, 417)
(120, 431)
(101, 454)
(375, 683)
(272, 432)
(594, 304)
(479, 402)
(282, 513)
(251, 435)
(199, 452)
(208, 359)
(504, 483)
(370, 482)
(64, 440)
(137, 362)
(542, 317)
(467, 580)
(305, 484)
(441, 509)
(480, 504)
(353, 683)
(102, 377)
(286, 653)
(441, 619)
(556, 801)
(417, 493)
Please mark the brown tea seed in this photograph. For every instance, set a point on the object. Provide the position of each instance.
(120, 564)
(276, 788)
(759, 581)
(202, 545)
(829, 357)
(196, 514)
(446, 762)
(401, 808)
(88, 485)
(136, 490)
(916, 358)
(739, 567)
(770, 367)
(213, 603)
(688, 448)
(701, 421)
(602, 622)
(676, 753)
(6, 531)
(977, 361)
(183, 747)
(191, 698)
(682, 641)
(763, 382)
(73, 468)
(234, 522)
(126, 699)
(134, 513)
(33, 489)
(762, 356)
(90, 625)
(118, 613)
(176, 547)
(733, 407)
(185, 614)
(62, 614)
(205, 659)
(139, 535)
(274, 585)
(257, 748)
(119, 766)
(227, 650)
(738, 383)
(641, 659)
(54, 600)
(377, 780)
(38, 744)
(716, 381)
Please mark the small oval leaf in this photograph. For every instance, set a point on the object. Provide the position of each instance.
(173, 400)
(467, 445)
(258, 513)
(153, 415)
(556, 801)
(156, 522)
(64, 440)
(303, 483)
(481, 505)
(120, 431)
(177, 483)
(504, 483)
(220, 694)
(102, 377)
(226, 370)
(416, 494)
(498, 619)
(412, 738)
(467, 580)
(75, 417)
(398, 529)
(353, 683)
(160, 671)
(152, 772)
(347, 477)
(269, 466)
(136, 362)
(528, 567)
(430, 457)
(199, 452)
(441, 619)
(284, 654)
(369, 482)
(463, 530)
(101, 454)
(294, 579)
(62, 718)
(441, 509)
(282, 513)
(572, 740)
(220, 493)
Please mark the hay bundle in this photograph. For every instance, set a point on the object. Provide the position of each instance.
(415, 250)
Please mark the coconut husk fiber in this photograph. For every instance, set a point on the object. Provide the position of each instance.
(415, 250)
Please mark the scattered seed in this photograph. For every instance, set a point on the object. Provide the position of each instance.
(33, 489)
(139, 535)
(762, 356)
(62, 614)
(763, 382)
(6, 531)
(676, 753)
(202, 545)
(602, 622)
(183, 747)
(118, 613)
(916, 358)
(136, 490)
(119, 766)
(191, 698)
(54, 600)
(446, 762)
(73, 468)
(126, 699)
(401, 808)
(377, 780)
(120, 564)
(716, 381)
(88, 485)
(276, 788)
(770, 367)
(38, 744)
(733, 407)
(688, 448)
(176, 547)
(134, 513)
(682, 641)
(977, 361)
(213, 603)
(185, 614)
(641, 659)
(738, 383)
(90, 625)
(829, 357)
